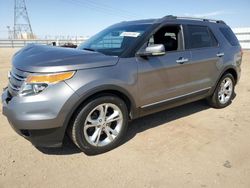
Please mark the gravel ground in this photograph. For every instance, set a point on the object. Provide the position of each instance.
(188, 146)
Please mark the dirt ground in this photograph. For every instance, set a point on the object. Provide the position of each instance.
(188, 146)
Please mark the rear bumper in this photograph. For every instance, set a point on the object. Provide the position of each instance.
(238, 74)
(40, 118)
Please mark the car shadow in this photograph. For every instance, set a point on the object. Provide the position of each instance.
(137, 126)
(68, 148)
(166, 116)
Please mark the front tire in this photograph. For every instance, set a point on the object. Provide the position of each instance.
(100, 125)
(223, 93)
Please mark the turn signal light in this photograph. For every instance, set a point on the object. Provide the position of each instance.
(50, 78)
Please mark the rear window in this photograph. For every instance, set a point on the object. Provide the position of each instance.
(229, 35)
(200, 37)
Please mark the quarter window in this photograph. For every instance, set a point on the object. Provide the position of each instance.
(229, 35)
(200, 37)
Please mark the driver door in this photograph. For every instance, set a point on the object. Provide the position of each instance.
(166, 77)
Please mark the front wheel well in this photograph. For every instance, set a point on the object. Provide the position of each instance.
(102, 93)
(116, 93)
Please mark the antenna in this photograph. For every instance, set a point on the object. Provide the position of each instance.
(22, 25)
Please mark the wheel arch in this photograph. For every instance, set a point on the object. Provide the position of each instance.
(233, 72)
(120, 93)
(103, 91)
(229, 69)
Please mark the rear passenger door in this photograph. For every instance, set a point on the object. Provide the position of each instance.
(205, 53)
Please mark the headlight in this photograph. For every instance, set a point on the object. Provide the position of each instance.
(36, 83)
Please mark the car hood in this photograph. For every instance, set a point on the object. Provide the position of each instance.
(47, 59)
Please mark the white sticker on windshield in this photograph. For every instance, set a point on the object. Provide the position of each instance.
(130, 34)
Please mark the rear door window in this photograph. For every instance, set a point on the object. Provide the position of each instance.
(199, 37)
(229, 35)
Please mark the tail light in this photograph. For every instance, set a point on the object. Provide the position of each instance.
(241, 52)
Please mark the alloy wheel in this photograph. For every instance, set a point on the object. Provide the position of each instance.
(103, 124)
(225, 91)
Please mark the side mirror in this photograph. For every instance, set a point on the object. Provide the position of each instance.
(153, 50)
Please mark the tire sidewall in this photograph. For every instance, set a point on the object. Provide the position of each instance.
(79, 122)
(216, 93)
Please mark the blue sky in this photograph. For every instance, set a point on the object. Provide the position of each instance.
(86, 17)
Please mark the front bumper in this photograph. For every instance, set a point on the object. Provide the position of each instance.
(40, 118)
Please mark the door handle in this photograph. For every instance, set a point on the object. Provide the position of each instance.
(220, 54)
(182, 60)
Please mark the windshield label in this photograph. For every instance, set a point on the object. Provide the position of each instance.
(130, 34)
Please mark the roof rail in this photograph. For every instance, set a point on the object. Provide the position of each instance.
(168, 17)
(192, 18)
(201, 19)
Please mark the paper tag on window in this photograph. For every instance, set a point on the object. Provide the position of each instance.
(130, 34)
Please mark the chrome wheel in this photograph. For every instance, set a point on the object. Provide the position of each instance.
(225, 91)
(103, 124)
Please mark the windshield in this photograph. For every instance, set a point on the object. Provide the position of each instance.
(114, 41)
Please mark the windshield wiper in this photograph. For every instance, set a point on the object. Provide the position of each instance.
(89, 49)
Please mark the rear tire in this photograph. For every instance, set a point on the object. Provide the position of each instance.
(223, 92)
(99, 125)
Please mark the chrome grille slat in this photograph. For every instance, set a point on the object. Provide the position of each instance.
(17, 76)
(16, 79)
(14, 87)
(15, 82)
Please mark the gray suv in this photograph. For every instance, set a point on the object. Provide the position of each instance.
(126, 71)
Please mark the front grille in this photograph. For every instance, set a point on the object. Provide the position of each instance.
(16, 79)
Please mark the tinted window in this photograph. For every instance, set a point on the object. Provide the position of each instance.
(229, 35)
(200, 37)
(169, 36)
